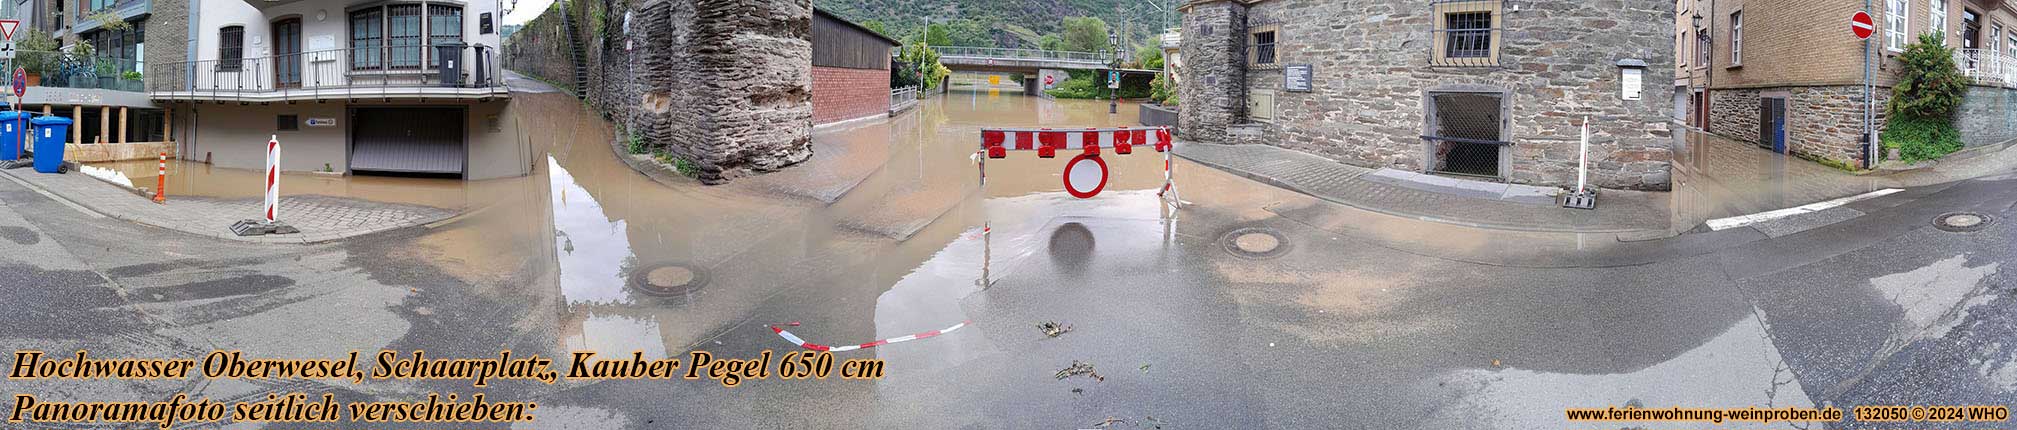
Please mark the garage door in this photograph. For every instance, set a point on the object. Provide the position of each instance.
(407, 140)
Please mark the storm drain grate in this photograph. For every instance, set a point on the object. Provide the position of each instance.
(668, 280)
(1962, 221)
(1255, 243)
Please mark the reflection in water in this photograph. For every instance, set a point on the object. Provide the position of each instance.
(1071, 248)
(819, 242)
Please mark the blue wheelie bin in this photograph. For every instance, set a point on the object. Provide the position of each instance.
(12, 124)
(50, 134)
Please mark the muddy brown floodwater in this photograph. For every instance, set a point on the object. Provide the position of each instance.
(878, 198)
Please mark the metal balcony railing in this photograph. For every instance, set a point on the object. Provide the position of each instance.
(66, 70)
(1021, 54)
(1986, 66)
(447, 69)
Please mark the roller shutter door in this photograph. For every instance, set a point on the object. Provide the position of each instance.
(407, 140)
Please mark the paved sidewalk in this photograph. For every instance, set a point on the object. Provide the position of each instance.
(320, 218)
(1617, 211)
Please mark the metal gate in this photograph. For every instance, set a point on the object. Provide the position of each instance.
(407, 140)
(1465, 134)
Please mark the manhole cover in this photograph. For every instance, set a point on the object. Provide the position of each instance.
(667, 280)
(1962, 221)
(1255, 242)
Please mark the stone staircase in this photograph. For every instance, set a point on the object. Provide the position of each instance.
(580, 60)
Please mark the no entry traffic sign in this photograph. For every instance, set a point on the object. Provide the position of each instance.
(1861, 24)
(1085, 176)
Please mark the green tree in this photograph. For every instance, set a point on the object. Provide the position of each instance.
(967, 32)
(1085, 34)
(1051, 42)
(1929, 90)
(876, 26)
(1149, 57)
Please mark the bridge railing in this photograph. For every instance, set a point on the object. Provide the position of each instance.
(1022, 54)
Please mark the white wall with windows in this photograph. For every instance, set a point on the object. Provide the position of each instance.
(337, 38)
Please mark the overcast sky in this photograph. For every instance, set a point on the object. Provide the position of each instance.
(525, 11)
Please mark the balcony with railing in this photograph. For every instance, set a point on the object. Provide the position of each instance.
(67, 70)
(1986, 66)
(444, 72)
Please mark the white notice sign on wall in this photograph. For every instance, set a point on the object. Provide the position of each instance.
(1632, 83)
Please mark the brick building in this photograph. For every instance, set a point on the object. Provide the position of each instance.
(850, 70)
(1779, 74)
(1492, 89)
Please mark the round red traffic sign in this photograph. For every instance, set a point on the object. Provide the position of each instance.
(1861, 24)
(1085, 180)
(1050, 79)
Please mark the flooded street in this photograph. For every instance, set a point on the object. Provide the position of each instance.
(1253, 307)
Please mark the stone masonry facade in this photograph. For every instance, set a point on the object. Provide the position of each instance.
(724, 84)
(1988, 116)
(1376, 70)
(843, 94)
(1822, 123)
(1213, 95)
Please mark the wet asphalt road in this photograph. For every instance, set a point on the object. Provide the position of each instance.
(1360, 321)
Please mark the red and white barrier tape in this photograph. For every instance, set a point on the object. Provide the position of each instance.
(795, 340)
(1020, 139)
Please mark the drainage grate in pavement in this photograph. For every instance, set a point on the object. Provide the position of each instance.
(1255, 243)
(667, 280)
(1962, 221)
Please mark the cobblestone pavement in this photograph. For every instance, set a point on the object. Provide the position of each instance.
(320, 218)
(1617, 211)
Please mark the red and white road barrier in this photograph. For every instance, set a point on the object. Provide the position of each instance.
(273, 179)
(1086, 183)
(795, 340)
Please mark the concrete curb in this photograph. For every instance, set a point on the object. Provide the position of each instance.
(225, 234)
(1636, 234)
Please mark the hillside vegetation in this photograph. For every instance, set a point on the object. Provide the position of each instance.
(1003, 23)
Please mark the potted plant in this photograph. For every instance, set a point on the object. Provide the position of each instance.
(37, 55)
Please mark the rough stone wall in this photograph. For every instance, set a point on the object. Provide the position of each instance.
(840, 94)
(1988, 116)
(540, 50)
(1824, 122)
(725, 84)
(1734, 114)
(1557, 64)
(1214, 53)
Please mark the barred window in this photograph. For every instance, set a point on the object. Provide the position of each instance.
(231, 48)
(1470, 35)
(1264, 46)
(1467, 32)
(444, 26)
(402, 34)
(367, 39)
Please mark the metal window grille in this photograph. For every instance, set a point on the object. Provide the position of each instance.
(1264, 48)
(1470, 35)
(367, 39)
(231, 49)
(1467, 32)
(402, 34)
(1465, 133)
(444, 26)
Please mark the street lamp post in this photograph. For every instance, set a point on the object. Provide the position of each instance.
(1114, 54)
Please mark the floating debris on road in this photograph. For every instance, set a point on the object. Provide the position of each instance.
(1053, 329)
(1078, 368)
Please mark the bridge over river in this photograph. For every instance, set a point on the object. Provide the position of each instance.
(1030, 62)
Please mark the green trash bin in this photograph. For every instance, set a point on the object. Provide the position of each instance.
(51, 132)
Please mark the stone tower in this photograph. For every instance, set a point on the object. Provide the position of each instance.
(1213, 95)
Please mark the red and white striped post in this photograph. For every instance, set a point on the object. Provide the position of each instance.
(161, 181)
(272, 179)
